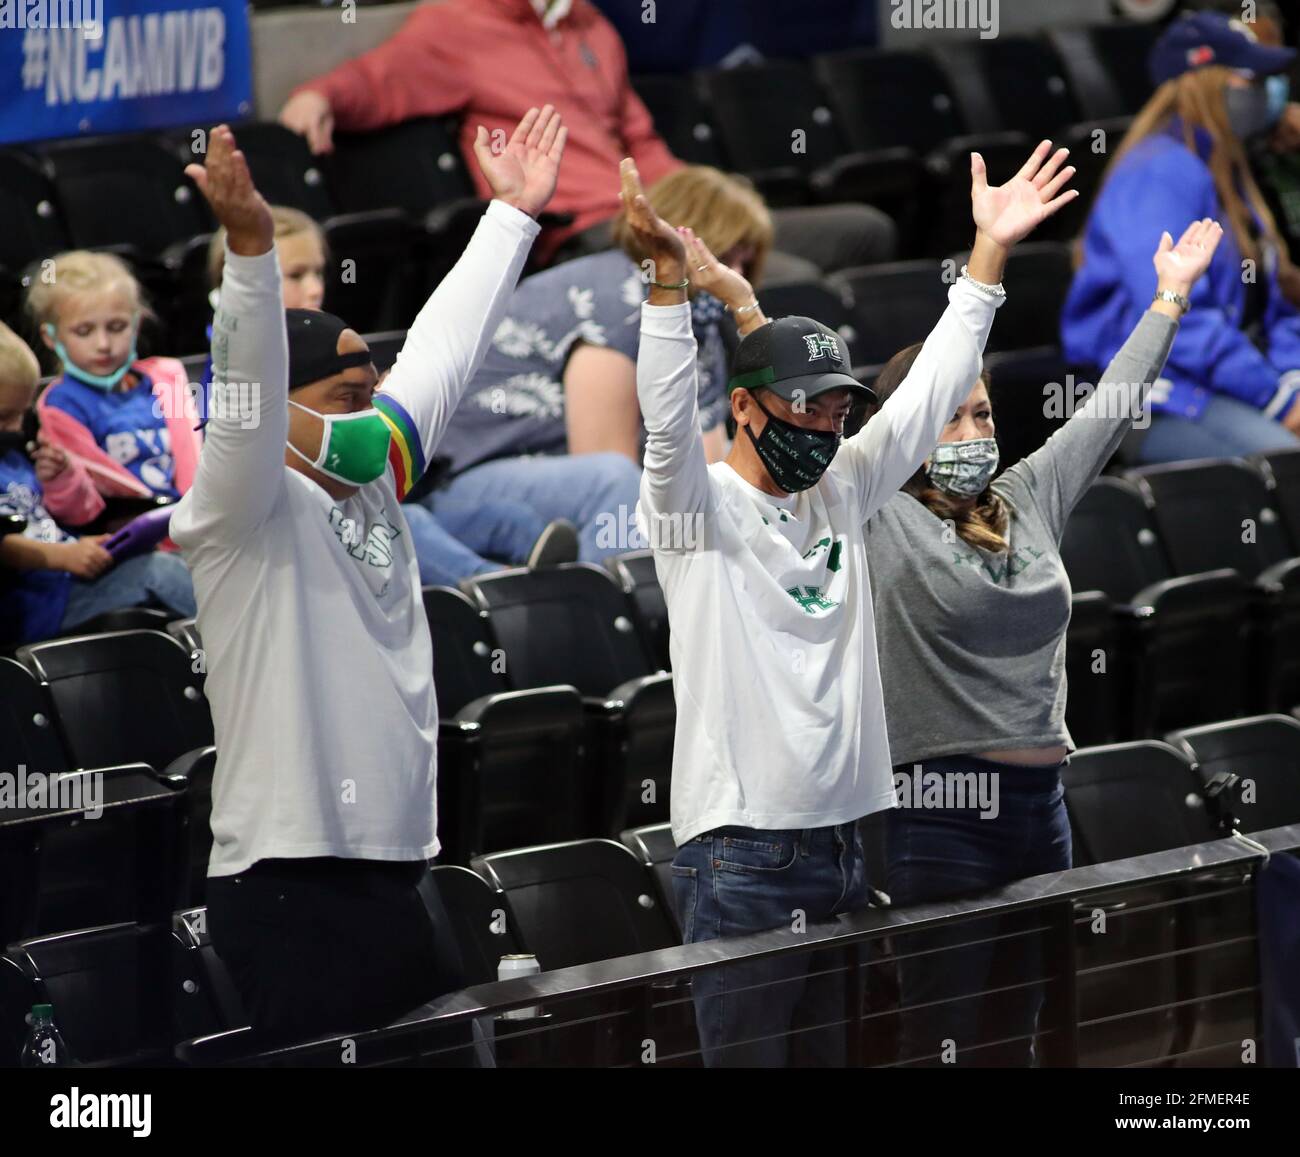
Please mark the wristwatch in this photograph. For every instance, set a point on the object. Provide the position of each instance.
(1176, 298)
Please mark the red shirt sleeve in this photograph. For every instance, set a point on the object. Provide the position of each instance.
(409, 75)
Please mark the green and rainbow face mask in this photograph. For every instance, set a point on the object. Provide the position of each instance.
(353, 447)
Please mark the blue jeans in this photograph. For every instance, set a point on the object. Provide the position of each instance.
(1226, 428)
(936, 853)
(157, 579)
(734, 881)
(595, 492)
(451, 541)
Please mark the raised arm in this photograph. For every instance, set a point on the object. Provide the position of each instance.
(448, 339)
(890, 447)
(1057, 474)
(241, 470)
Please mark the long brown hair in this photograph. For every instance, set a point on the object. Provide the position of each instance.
(1196, 98)
(982, 524)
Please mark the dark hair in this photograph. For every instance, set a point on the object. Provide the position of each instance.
(982, 525)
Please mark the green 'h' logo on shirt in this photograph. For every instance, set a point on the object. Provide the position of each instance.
(811, 599)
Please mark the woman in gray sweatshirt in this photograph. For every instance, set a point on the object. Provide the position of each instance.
(971, 604)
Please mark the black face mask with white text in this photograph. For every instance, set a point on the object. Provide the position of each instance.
(795, 458)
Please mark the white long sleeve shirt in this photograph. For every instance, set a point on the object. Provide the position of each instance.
(320, 668)
(780, 713)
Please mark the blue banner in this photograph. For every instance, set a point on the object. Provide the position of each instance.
(76, 67)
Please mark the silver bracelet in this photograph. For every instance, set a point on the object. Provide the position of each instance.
(991, 290)
(745, 308)
(1173, 298)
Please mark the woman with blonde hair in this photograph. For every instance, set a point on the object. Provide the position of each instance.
(1230, 384)
(552, 419)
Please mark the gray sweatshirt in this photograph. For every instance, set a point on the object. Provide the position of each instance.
(972, 644)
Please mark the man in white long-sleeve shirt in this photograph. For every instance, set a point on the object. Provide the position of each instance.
(318, 654)
(781, 743)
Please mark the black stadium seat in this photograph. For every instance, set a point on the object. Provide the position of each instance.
(1182, 643)
(65, 870)
(412, 166)
(482, 929)
(1132, 799)
(1281, 470)
(1218, 513)
(123, 696)
(125, 191)
(509, 761)
(1264, 751)
(1123, 47)
(377, 275)
(891, 305)
(681, 118)
(653, 845)
(192, 774)
(579, 902)
(1093, 88)
(1038, 275)
(635, 572)
(29, 208)
(28, 736)
(570, 624)
(282, 166)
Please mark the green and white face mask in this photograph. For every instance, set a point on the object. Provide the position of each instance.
(353, 447)
(964, 469)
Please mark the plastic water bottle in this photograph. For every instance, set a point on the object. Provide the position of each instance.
(44, 1047)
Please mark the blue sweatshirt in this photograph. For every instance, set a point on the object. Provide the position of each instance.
(1163, 185)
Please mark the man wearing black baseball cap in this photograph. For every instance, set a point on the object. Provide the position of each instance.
(781, 743)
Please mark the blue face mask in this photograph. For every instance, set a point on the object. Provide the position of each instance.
(99, 381)
(1279, 93)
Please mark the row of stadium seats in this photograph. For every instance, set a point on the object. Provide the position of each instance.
(583, 901)
(890, 128)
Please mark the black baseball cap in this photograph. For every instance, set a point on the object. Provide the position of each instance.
(795, 357)
(313, 347)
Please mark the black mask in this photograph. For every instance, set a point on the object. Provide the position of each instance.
(795, 458)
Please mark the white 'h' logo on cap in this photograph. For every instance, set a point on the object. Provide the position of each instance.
(822, 345)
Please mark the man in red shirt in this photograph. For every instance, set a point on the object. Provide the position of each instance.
(488, 59)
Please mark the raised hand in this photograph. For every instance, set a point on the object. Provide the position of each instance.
(524, 173)
(224, 180)
(706, 272)
(657, 239)
(1007, 213)
(1178, 266)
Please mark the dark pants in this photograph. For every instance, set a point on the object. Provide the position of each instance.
(326, 945)
(788, 1009)
(938, 852)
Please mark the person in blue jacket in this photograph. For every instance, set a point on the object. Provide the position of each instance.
(1230, 385)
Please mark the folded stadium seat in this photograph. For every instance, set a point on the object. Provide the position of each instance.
(635, 572)
(681, 118)
(125, 191)
(1038, 275)
(29, 208)
(384, 347)
(1281, 471)
(380, 270)
(778, 128)
(283, 167)
(207, 1001)
(1092, 144)
(1093, 711)
(415, 166)
(653, 845)
(569, 624)
(819, 300)
(108, 986)
(129, 695)
(891, 305)
(122, 619)
(186, 311)
(483, 930)
(192, 774)
(1264, 751)
(28, 737)
(1218, 513)
(510, 762)
(1133, 799)
(903, 99)
(580, 902)
(64, 872)
(1089, 80)
(1021, 383)
(1123, 47)
(1183, 640)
